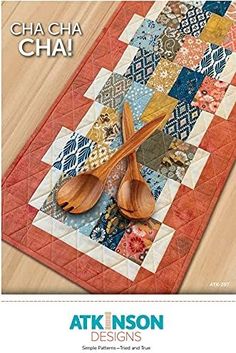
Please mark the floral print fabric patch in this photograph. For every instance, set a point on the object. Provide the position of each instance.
(177, 160)
(210, 94)
(164, 76)
(173, 13)
(147, 35)
(106, 127)
(110, 227)
(138, 239)
(191, 52)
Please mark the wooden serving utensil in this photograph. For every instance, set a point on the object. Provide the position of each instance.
(81, 193)
(134, 198)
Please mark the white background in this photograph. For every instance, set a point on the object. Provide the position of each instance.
(191, 323)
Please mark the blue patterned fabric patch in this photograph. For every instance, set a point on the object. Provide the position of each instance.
(182, 120)
(147, 34)
(74, 154)
(114, 90)
(138, 97)
(155, 180)
(116, 143)
(214, 61)
(186, 85)
(85, 221)
(142, 66)
(218, 7)
(194, 21)
(110, 227)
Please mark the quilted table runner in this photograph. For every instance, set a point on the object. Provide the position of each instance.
(175, 57)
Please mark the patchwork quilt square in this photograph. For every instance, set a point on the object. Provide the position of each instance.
(166, 155)
(147, 34)
(164, 76)
(106, 127)
(169, 43)
(155, 180)
(152, 151)
(138, 239)
(182, 120)
(138, 97)
(74, 155)
(214, 61)
(218, 7)
(186, 85)
(173, 13)
(142, 66)
(114, 90)
(210, 94)
(177, 159)
(194, 21)
(191, 52)
(216, 29)
(110, 227)
(99, 155)
(159, 104)
(230, 40)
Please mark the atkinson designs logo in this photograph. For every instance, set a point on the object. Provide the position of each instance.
(109, 327)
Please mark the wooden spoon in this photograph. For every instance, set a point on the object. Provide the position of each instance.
(80, 193)
(134, 198)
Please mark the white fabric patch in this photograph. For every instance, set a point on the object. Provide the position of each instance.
(158, 248)
(195, 169)
(57, 146)
(165, 199)
(89, 118)
(227, 103)
(125, 60)
(131, 28)
(155, 10)
(230, 69)
(98, 83)
(203, 122)
(45, 187)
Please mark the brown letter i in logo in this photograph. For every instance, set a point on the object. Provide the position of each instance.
(107, 320)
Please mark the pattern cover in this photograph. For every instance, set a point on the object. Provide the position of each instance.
(176, 58)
